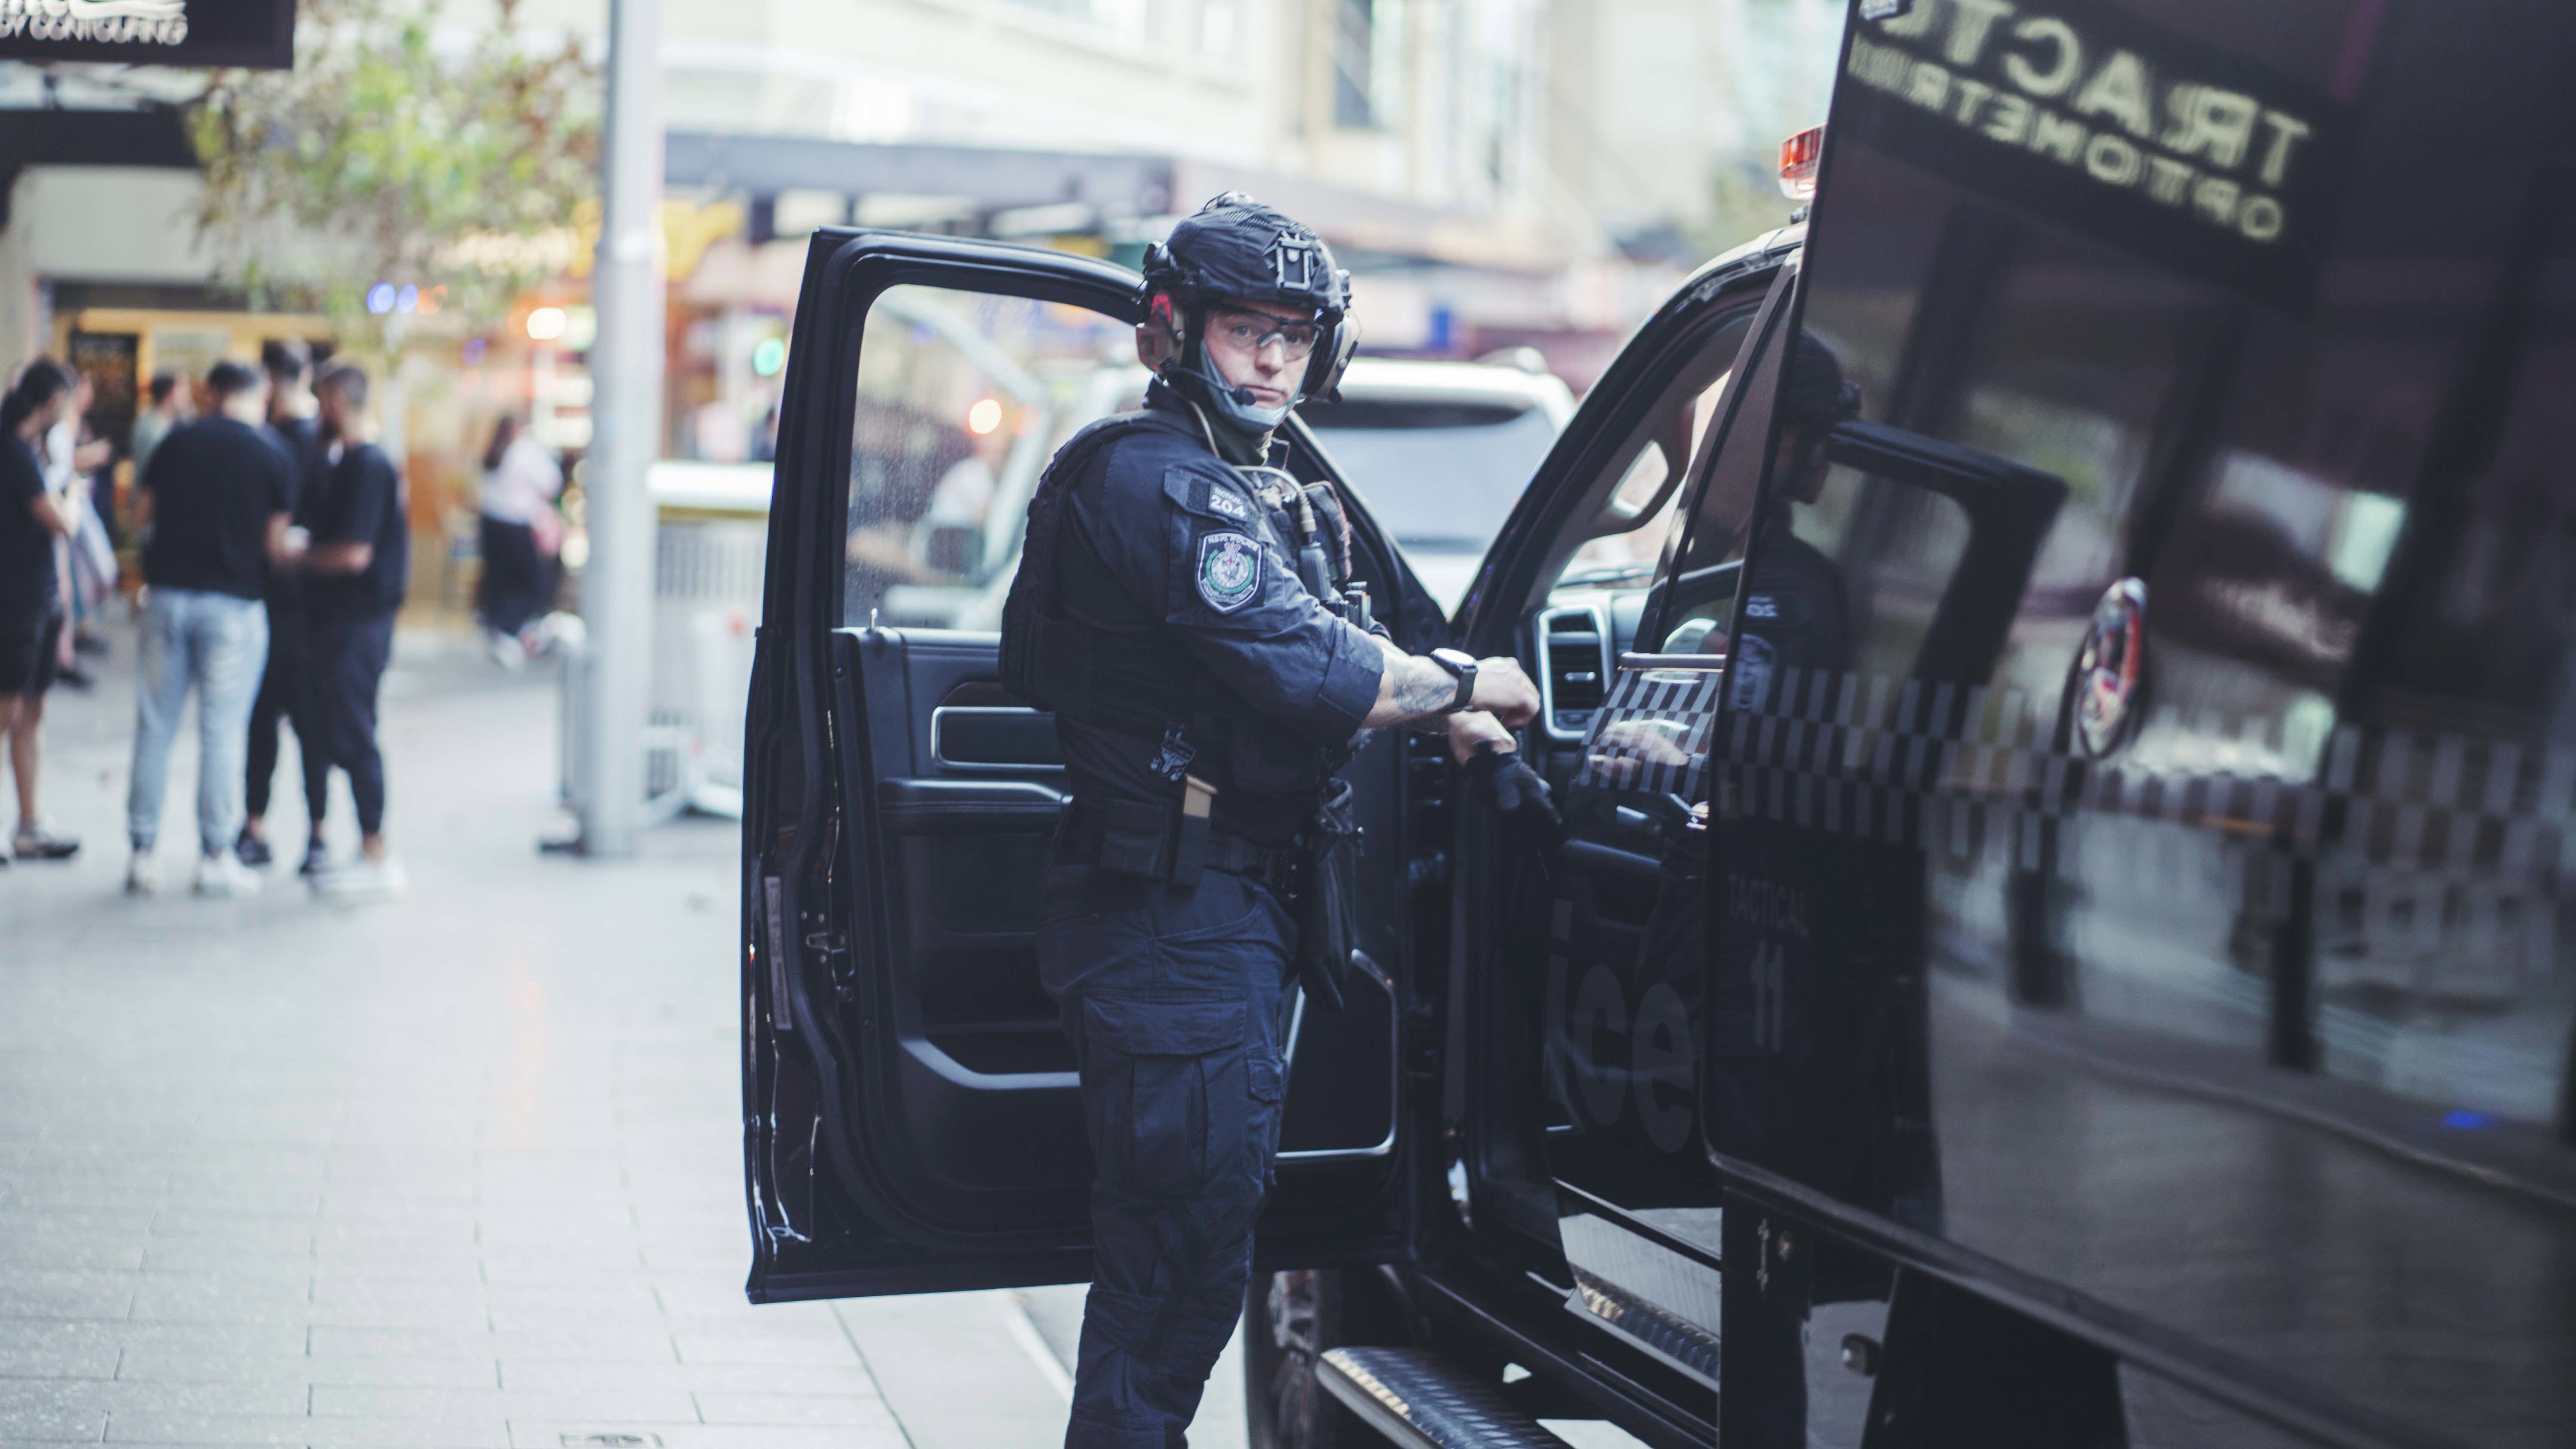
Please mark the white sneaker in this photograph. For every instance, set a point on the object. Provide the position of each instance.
(143, 875)
(223, 874)
(361, 879)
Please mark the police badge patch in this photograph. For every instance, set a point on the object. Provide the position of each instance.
(1229, 571)
(1754, 658)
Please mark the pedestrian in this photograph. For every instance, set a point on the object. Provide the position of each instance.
(1179, 607)
(168, 404)
(215, 502)
(33, 520)
(355, 571)
(297, 432)
(520, 531)
(85, 561)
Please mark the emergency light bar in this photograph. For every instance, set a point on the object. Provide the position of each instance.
(1799, 157)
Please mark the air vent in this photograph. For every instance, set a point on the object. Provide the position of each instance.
(1575, 656)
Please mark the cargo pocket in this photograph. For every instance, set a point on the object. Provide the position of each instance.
(1269, 1092)
(1169, 1110)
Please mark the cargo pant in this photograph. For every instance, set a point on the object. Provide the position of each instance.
(1176, 1003)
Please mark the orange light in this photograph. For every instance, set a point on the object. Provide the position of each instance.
(431, 299)
(984, 416)
(1799, 157)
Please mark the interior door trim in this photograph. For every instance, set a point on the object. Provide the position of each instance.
(939, 749)
(1394, 1065)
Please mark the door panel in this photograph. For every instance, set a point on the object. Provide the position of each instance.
(1570, 947)
(2281, 946)
(912, 1115)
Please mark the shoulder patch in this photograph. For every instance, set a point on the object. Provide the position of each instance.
(1196, 492)
(1773, 606)
(1229, 571)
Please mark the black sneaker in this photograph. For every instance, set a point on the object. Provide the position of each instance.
(317, 859)
(254, 852)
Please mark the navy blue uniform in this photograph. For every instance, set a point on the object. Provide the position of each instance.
(1176, 998)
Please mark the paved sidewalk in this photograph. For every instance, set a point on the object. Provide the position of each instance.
(461, 1169)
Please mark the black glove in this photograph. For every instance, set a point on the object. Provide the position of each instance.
(1518, 791)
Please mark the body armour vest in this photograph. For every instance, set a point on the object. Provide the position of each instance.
(1095, 642)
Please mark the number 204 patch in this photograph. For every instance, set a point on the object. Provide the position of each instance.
(1229, 571)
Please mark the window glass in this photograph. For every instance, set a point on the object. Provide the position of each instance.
(1642, 494)
(2299, 893)
(961, 400)
(1695, 612)
(1654, 466)
(1892, 550)
(1438, 477)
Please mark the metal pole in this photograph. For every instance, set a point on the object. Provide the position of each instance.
(626, 434)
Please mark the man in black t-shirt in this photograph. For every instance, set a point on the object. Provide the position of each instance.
(32, 517)
(354, 575)
(296, 431)
(216, 499)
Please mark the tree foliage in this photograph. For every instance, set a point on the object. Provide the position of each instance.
(392, 153)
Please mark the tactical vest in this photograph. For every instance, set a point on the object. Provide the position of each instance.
(1136, 680)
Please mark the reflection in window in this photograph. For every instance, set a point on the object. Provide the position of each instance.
(1896, 549)
(961, 400)
(1643, 493)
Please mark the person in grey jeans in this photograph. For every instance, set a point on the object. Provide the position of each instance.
(215, 499)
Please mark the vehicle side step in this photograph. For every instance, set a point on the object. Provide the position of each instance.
(1419, 1400)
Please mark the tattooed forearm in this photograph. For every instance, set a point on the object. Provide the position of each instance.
(1414, 690)
(1424, 688)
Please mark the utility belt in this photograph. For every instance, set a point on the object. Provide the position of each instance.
(1316, 878)
(1163, 841)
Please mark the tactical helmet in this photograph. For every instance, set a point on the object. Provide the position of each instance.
(1814, 391)
(1237, 248)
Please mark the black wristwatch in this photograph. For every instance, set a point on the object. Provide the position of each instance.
(1463, 665)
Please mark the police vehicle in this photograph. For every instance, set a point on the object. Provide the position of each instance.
(2058, 671)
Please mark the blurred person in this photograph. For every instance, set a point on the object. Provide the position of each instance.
(216, 500)
(168, 403)
(85, 559)
(945, 544)
(950, 538)
(297, 434)
(355, 570)
(520, 534)
(33, 520)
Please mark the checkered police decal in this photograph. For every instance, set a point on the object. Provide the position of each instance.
(1933, 764)
(2438, 855)
(1229, 571)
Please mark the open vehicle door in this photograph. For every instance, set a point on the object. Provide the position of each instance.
(911, 1119)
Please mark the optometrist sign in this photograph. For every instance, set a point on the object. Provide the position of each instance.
(254, 33)
(2150, 140)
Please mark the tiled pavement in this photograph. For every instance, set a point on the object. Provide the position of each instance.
(456, 1170)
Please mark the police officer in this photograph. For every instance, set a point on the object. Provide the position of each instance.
(1181, 606)
(1796, 615)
